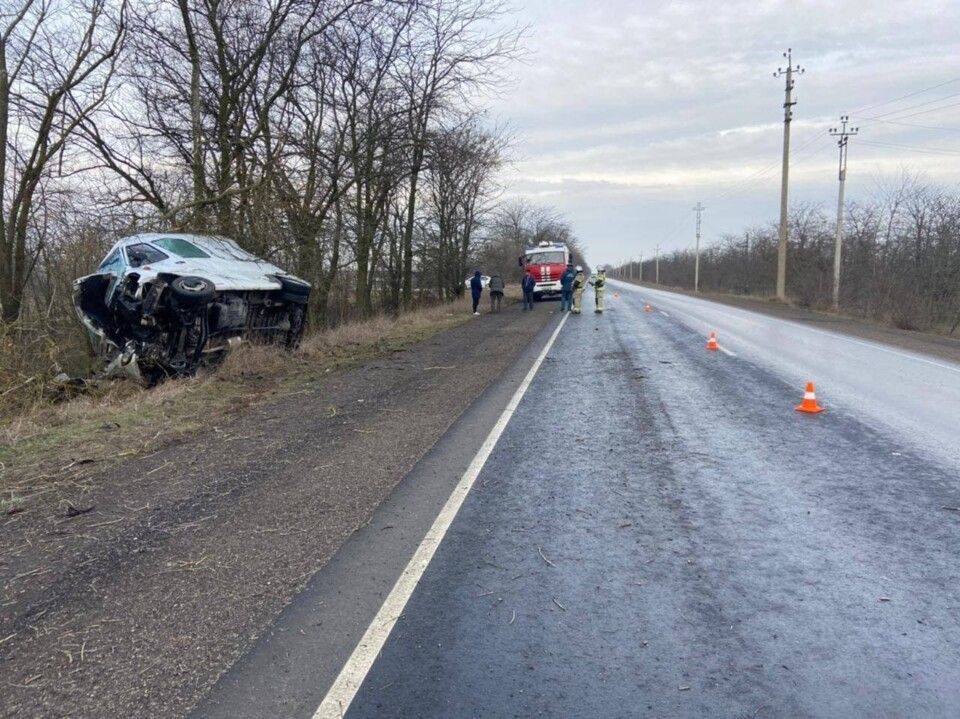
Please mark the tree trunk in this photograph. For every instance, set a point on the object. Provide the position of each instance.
(408, 227)
(196, 128)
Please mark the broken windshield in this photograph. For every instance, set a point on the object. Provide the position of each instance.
(181, 247)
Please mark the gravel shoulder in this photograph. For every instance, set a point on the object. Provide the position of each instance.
(924, 342)
(135, 607)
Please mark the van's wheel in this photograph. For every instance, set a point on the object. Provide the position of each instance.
(298, 317)
(191, 291)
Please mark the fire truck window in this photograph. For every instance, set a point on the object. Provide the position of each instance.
(545, 258)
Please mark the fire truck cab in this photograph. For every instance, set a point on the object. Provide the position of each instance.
(546, 262)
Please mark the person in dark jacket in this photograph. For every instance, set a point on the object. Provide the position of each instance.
(528, 285)
(496, 286)
(566, 288)
(476, 289)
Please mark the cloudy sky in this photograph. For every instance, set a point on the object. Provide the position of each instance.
(629, 112)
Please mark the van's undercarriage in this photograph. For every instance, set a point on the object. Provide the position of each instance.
(170, 325)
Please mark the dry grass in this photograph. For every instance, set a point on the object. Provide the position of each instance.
(48, 443)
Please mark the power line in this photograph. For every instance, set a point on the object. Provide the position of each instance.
(922, 127)
(922, 112)
(676, 228)
(768, 169)
(810, 155)
(820, 135)
(804, 152)
(904, 97)
(913, 107)
(932, 150)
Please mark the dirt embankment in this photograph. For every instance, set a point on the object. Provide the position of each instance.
(937, 345)
(134, 597)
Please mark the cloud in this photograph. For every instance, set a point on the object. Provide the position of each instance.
(630, 112)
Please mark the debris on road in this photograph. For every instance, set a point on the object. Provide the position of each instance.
(544, 558)
(72, 511)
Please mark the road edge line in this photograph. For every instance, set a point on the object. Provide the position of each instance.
(348, 682)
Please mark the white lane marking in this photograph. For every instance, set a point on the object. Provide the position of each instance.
(726, 351)
(340, 695)
(664, 313)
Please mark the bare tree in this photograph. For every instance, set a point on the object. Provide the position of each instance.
(57, 63)
(462, 161)
(205, 79)
(452, 47)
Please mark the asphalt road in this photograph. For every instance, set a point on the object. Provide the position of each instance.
(658, 533)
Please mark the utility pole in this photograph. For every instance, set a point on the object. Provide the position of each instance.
(657, 275)
(788, 104)
(640, 270)
(844, 134)
(696, 265)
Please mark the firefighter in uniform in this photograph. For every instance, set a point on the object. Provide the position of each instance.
(598, 283)
(579, 285)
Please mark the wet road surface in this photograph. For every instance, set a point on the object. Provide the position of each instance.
(658, 533)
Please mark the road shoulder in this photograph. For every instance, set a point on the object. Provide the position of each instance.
(288, 671)
(192, 552)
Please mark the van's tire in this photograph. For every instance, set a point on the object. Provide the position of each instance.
(191, 291)
(298, 323)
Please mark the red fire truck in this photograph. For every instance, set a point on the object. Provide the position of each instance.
(546, 262)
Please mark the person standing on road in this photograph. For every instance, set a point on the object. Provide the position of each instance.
(476, 289)
(598, 283)
(566, 288)
(496, 291)
(528, 284)
(579, 284)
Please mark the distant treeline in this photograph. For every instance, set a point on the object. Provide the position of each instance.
(900, 260)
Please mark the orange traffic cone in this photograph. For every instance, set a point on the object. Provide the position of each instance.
(809, 403)
(712, 342)
(616, 295)
(647, 308)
